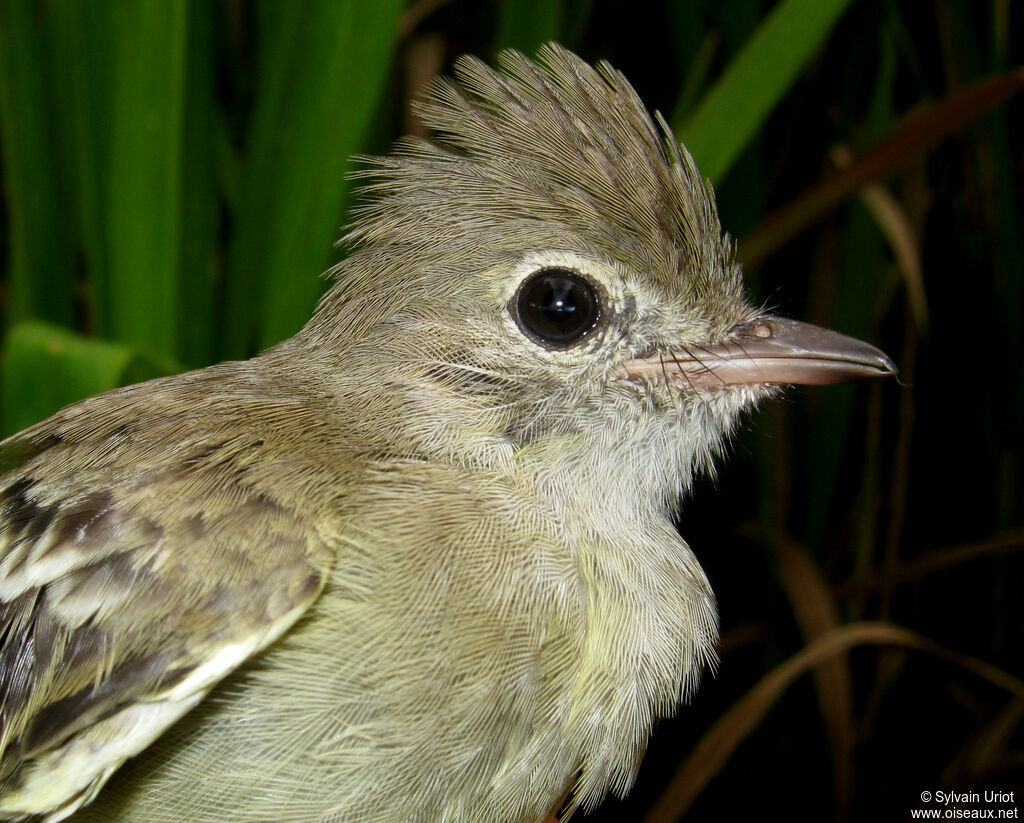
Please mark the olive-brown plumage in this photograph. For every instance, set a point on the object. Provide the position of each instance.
(418, 562)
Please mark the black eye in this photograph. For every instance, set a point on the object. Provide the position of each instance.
(557, 307)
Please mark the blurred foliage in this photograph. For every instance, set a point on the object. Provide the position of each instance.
(173, 179)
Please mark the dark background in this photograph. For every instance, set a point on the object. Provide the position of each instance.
(173, 179)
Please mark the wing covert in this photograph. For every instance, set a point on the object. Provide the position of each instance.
(127, 590)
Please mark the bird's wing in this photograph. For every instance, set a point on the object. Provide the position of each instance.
(125, 595)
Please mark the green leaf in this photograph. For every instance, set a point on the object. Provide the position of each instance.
(144, 195)
(46, 368)
(81, 36)
(323, 68)
(42, 261)
(736, 106)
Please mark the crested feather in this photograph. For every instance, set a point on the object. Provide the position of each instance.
(553, 143)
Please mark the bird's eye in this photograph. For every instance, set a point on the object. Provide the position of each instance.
(557, 307)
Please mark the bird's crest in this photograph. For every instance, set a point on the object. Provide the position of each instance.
(552, 143)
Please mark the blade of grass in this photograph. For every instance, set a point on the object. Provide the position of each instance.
(931, 561)
(984, 751)
(323, 69)
(42, 261)
(696, 76)
(739, 102)
(81, 36)
(199, 222)
(144, 195)
(891, 218)
(711, 753)
(918, 131)
(814, 607)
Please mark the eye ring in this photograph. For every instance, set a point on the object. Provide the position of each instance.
(557, 307)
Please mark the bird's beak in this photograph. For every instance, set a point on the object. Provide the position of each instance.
(766, 351)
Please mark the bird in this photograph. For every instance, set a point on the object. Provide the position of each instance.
(420, 561)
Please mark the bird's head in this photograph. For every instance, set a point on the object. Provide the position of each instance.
(551, 269)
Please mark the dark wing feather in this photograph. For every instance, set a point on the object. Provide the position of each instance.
(131, 581)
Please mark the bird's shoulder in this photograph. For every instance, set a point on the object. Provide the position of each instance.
(144, 554)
